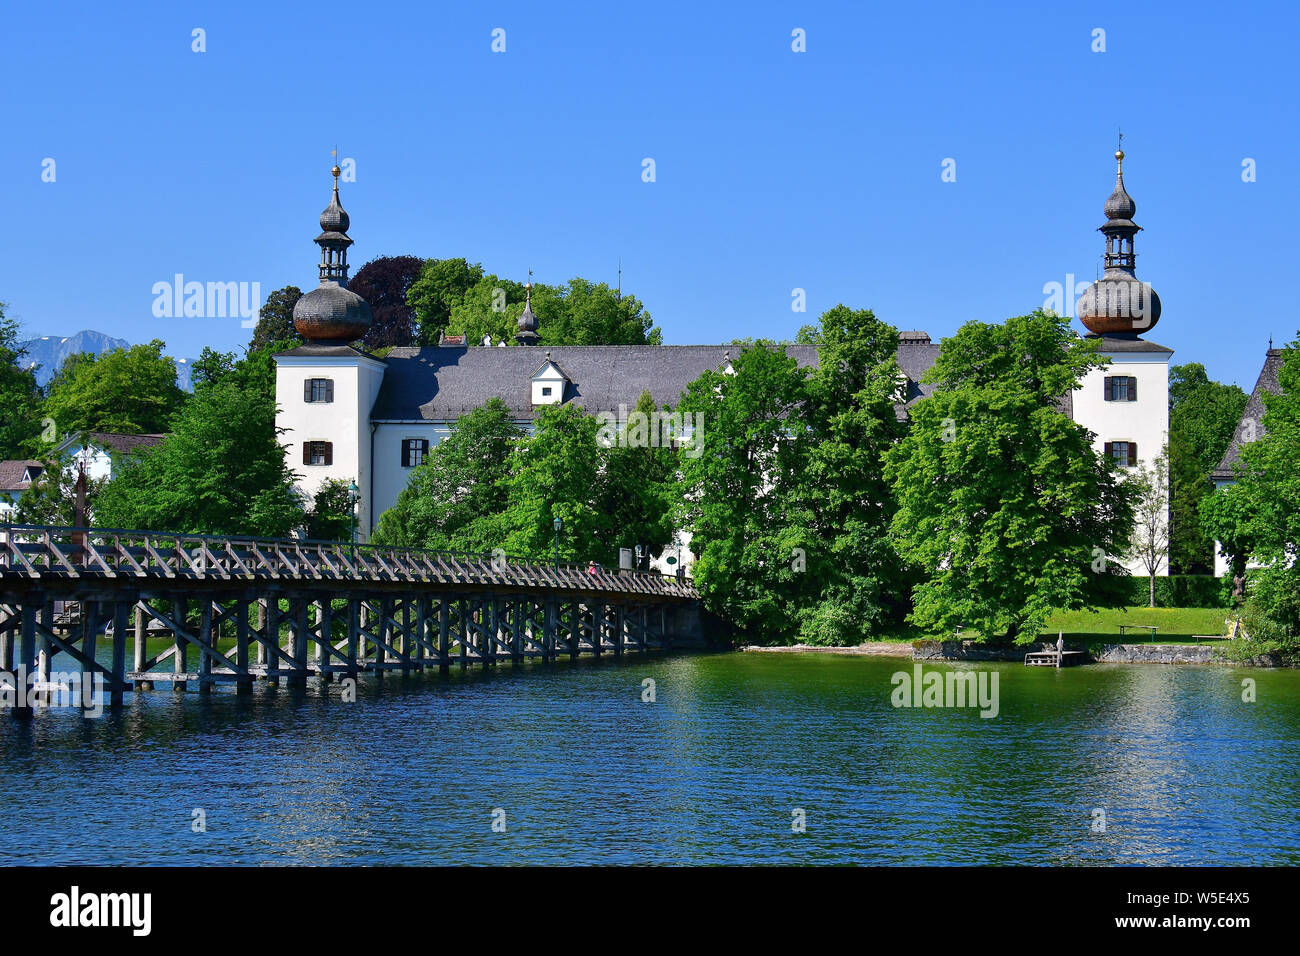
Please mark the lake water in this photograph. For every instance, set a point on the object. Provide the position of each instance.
(580, 770)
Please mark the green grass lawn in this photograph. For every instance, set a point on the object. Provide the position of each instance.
(1175, 624)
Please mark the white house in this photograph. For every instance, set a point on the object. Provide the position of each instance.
(351, 416)
(16, 477)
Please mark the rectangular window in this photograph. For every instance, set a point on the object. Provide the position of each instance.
(317, 453)
(414, 451)
(1124, 453)
(546, 390)
(318, 390)
(1121, 388)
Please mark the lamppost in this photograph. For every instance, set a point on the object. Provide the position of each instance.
(354, 496)
(558, 523)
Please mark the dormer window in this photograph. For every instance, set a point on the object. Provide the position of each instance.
(548, 383)
(317, 391)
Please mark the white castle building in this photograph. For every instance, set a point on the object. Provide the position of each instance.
(352, 416)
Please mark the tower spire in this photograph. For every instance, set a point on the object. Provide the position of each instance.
(1118, 303)
(332, 312)
(527, 334)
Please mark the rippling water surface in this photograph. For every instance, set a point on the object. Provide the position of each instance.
(710, 773)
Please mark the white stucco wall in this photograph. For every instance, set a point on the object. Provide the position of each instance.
(345, 422)
(1145, 421)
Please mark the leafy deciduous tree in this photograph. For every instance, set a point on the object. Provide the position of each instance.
(1002, 502)
(132, 391)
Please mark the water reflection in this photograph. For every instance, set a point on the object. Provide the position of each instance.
(711, 772)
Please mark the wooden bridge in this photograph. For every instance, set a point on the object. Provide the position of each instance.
(201, 610)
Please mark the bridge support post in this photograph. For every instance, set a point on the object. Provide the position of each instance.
(549, 627)
(517, 632)
(462, 633)
(89, 639)
(43, 644)
(354, 637)
(298, 625)
(181, 659)
(26, 663)
(207, 640)
(620, 623)
(493, 633)
(141, 647)
(422, 605)
(243, 683)
(121, 612)
(271, 639)
(384, 635)
(444, 649)
(575, 632)
(7, 622)
(406, 645)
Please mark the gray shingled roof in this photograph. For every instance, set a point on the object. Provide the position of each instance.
(11, 473)
(1252, 417)
(440, 383)
(115, 441)
(1127, 343)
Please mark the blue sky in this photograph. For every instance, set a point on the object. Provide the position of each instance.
(775, 170)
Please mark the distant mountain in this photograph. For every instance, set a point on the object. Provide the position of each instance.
(48, 353)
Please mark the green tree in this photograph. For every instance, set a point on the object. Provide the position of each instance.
(591, 313)
(275, 319)
(638, 489)
(132, 390)
(554, 473)
(20, 419)
(222, 470)
(578, 313)
(492, 306)
(1002, 502)
(442, 285)
(331, 516)
(454, 500)
(1202, 417)
(840, 497)
(1258, 517)
(736, 486)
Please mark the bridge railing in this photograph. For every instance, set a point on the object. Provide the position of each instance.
(37, 551)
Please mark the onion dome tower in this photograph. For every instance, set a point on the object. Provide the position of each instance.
(1117, 303)
(527, 334)
(331, 314)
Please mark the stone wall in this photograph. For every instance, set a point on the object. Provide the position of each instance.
(1158, 654)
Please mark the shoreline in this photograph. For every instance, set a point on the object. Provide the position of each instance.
(1194, 654)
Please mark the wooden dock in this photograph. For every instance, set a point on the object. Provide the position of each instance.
(238, 609)
(1053, 659)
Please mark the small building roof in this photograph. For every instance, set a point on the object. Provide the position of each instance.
(1251, 426)
(13, 473)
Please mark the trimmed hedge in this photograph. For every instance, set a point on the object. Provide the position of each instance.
(1181, 590)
